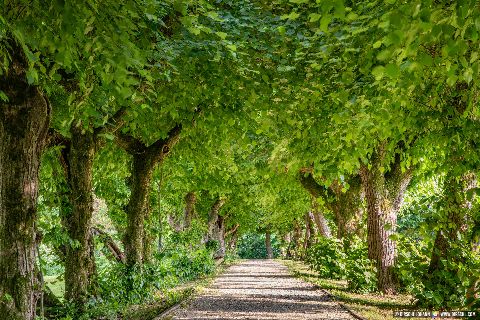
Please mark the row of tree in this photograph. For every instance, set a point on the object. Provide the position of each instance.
(352, 101)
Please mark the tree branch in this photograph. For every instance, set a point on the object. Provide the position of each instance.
(55, 139)
(160, 148)
(113, 124)
(311, 185)
(109, 244)
(130, 144)
(232, 231)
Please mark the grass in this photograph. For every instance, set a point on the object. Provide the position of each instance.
(372, 306)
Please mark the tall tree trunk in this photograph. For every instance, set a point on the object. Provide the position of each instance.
(232, 244)
(145, 158)
(77, 205)
(347, 205)
(221, 237)
(384, 194)
(216, 227)
(189, 212)
(308, 239)
(24, 122)
(233, 234)
(148, 237)
(268, 245)
(142, 170)
(295, 243)
(80, 270)
(160, 216)
(320, 221)
(284, 249)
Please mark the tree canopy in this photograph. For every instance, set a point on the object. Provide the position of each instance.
(192, 123)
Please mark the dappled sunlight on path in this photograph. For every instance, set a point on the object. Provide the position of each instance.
(261, 289)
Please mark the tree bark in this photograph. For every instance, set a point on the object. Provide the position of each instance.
(77, 160)
(141, 174)
(24, 122)
(233, 234)
(346, 205)
(77, 206)
(145, 159)
(232, 244)
(189, 213)
(320, 221)
(160, 216)
(268, 245)
(221, 237)
(384, 194)
(295, 243)
(216, 227)
(308, 238)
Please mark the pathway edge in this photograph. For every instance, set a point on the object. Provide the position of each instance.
(188, 298)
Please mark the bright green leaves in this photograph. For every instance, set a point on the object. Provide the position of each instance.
(378, 72)
(32, 76)
(392, 70)
(314, 17)
(324, 22)
(291, 16)
(222, 35)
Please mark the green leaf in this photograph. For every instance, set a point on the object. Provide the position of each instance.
(292, 16)
(314, 17)
(222, 35)
(378, 72)
(324, 22)
(392, 70)
(3, 96)
(32, 76)
(377, 44)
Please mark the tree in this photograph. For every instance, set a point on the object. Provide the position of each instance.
(24, 120)
(145, 159)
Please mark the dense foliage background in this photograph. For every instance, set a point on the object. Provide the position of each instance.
(143, 143)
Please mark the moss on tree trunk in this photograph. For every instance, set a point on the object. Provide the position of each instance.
(24, 122)
(78, 156)
(145, 159)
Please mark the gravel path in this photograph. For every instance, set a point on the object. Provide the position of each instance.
(261, 289)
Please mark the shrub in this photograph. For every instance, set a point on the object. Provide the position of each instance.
(360, 271)
(327, 258)
(412, 263)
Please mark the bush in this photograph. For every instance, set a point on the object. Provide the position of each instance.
(335, 259)
(448, 286)
(360, 271)
(327, 258)
(120, 286)
(412, 264)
